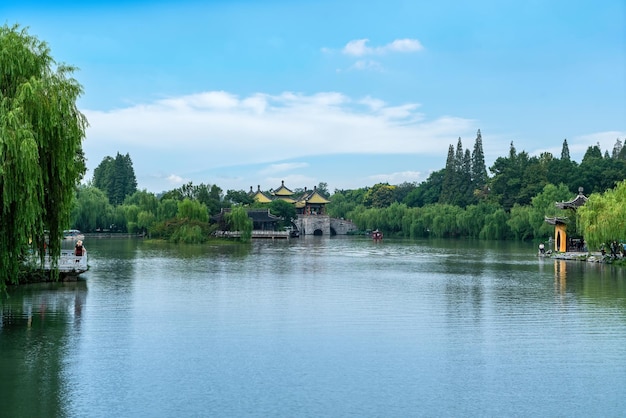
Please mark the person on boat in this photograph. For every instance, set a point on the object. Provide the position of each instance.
(542, 248)
(79, 249)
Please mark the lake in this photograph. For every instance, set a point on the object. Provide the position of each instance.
(318, 327)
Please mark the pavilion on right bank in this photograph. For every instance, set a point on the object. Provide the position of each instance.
(560, 223)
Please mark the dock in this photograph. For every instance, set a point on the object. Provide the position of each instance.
(255, 234)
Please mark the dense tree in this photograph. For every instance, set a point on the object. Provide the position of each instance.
(479, 169)
(145, 200)
(402, 190)
(238, 220)
(92, 210)
(192, 210)
(379, 196)
(41, 158)
(427, 192)
(283, 209)
(603, 217)
(597, 173)
(617, 148)
(116, 177)
(449, 183)
(322, 188)
(506, 181)
(209, 195)
(168, 208)
(464, 176)
(238, 197)
(565, 151)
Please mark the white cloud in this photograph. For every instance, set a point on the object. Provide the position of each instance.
(175, 180)
(397, 178)
(278, 168)
(213, 130)
(578, 145)
(359, 48)
(363, 65)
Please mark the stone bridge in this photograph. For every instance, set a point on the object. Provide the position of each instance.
(323, 225)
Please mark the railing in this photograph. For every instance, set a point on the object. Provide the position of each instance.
(67, 262)
(255, 234)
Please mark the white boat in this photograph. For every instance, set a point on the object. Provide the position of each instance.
(73, 235)
(68, 263)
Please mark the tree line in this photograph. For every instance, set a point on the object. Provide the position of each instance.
(460, 200)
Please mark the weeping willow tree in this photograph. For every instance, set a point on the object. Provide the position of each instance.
(41, 158)
(238, 220)
(603, 217)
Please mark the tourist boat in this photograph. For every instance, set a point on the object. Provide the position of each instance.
(377, 235)
(73, 235)
(68, 264)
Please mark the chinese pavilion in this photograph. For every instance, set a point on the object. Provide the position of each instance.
(560, 223)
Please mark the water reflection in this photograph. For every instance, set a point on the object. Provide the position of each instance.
(560, 276)
(39, 327)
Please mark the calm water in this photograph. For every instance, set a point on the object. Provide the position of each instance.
(318, 327)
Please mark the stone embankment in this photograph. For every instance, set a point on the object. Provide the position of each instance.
(590, 257)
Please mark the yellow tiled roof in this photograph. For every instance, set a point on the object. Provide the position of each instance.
(261, 198)
(317, 198)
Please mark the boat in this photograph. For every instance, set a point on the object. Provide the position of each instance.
(68, 264)
(73, 235)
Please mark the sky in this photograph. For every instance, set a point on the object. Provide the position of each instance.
(244, 93)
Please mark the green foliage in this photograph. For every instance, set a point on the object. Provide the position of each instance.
(342, 202)
(519, 222)
(283, 209)
(428, 192)
(544, 205)
(239, 197)
(91, 210)
(192, 210)
(182, 231)
(496, 227)
(379, 196)
(41, 158)
(472, 221)
(116, 177)
(603, 218)
(238, 220)
(167, 209)
(145, 200)
(210, 196)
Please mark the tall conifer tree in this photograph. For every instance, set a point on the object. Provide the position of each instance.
(449, 178)
(565, 151)
(479, 169)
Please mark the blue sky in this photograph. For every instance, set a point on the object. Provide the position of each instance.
(351, 93)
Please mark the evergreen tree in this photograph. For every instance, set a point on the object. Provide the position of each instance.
(41, 157)
(458, 157)
(479, 169)
(617, 148)
(116, 177)
(565, 151)
(466, 188)
(449, 178)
